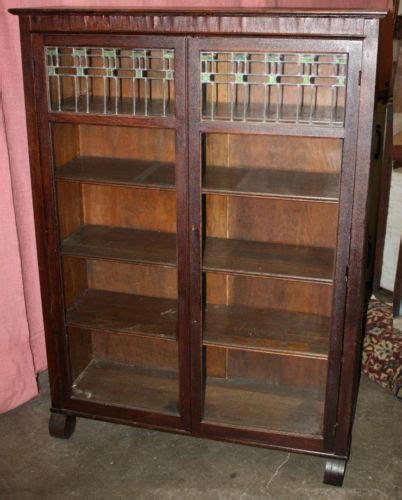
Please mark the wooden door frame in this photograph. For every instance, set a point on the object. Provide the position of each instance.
(324, 444)
(47, 225)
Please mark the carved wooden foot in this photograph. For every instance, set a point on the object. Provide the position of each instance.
(61, 426)
(334, 471)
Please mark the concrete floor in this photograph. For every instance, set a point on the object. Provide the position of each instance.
(106, 461)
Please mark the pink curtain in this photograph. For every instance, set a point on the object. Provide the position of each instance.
(22, 349)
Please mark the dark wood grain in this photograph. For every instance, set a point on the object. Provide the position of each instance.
(266, 330)
(125, 313)
(268, 259)
(121, 384)
(119, 171)
(132, 245)
(271, 183)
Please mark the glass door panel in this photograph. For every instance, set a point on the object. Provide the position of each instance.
(270, 216)
(269, 120)
(117, 212)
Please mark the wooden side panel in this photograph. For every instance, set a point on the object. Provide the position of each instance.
(69, 202)
(66, 145)
(75, 278)
(80, 347)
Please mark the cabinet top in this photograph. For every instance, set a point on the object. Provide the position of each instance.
(339, 8)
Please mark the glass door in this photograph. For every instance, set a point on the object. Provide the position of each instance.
(271, 179)
(116, 115)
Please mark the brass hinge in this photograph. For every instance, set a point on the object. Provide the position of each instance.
(360, 77)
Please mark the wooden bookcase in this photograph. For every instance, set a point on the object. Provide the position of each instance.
(200, 214)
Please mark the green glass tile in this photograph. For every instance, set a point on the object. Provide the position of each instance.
(205, 56)
(51, 70)
(239, 78)
(139, 53)
(51, 51)
(239, 57)
(109, 72)
(341, 80)
(168, 54)
(109, 52)
(306, 80)
(306, 59)
(139, 73)
(272, 58)
(169, 75)
(79, 52)
(341, 59)
(272, 79)
(80, 71)
(206, 77)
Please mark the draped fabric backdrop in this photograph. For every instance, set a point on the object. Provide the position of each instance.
(22, 349)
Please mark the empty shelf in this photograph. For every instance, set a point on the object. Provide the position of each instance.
(127, 172)
(268, 259)
(272, 183)
(249, 404)
(130, 245)
(125, 385)
(124, 313)
(266, 330)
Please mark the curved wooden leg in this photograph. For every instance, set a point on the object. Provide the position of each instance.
(334, 471)
(61, 426)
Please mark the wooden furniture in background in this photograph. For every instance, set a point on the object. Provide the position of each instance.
(200, 206)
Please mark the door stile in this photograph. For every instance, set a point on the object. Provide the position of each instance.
(195, 236)
(182, 229)
(343, 243)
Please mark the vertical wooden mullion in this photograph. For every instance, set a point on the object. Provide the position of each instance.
(181, 151)
(195, 235)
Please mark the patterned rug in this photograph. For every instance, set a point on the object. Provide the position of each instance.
(382, 348)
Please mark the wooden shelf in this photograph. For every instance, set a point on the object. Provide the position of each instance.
(124, 313)
(272, 183)
(268, 259)
(124, 106)
(126, 172)
(266, 330)
(130, 386)
(130, 245)
(250, 404)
